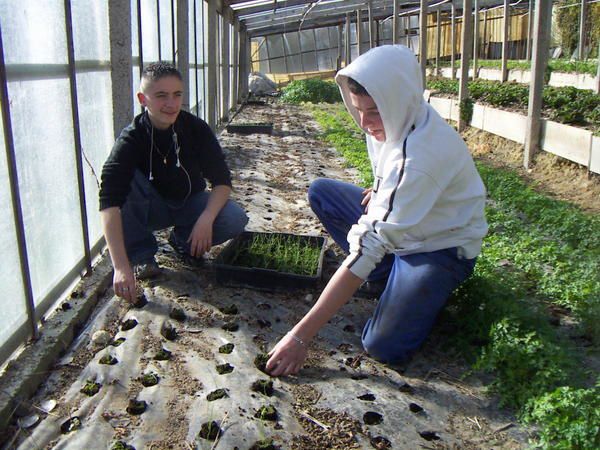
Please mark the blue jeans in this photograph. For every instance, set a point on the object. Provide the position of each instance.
(145, 211)
(418, 285)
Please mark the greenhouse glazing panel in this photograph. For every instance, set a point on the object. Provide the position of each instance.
(135, 56)
(166, 30)
(275, 46)
(47, 179)
(307, 41)
(278, 65)
(322, 38)
(309, 62)
(12, 296)
(90, 38)
(324, 60)
(149, 31)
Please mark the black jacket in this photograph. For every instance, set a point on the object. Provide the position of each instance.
(200, 156)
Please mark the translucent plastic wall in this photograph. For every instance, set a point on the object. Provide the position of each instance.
(196, 57)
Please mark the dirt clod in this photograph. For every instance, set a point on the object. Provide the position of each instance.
(177, 314)
(168, 330)
(264, 387)
(137, 407)
(129, 324)
(267, 412)
(216, 395)
(210, 431)
(226, 348)
(224, 368)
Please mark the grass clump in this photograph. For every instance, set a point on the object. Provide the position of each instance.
(283, 253)
(311, 90)
(538, 251)
(90, 388)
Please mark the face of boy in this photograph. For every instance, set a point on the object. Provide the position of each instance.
(162, 99)
(368, 113)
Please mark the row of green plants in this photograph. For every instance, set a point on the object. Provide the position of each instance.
(311, 90)
(563, 104)
(589, 66)
(539, 251)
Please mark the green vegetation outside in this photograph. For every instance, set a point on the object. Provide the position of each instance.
(589, 66)
(539, 253)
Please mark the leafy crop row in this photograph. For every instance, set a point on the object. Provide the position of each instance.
(311, 90)
(555, 65)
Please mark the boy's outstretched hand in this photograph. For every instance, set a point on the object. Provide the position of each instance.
(287, 357)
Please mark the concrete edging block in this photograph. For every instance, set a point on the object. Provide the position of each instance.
(441, 105)
(566, 141)
(478, 118)
(595, 155)
(507, 124)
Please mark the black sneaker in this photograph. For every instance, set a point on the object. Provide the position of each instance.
(371, 289)
(146, 269)
(181, 250)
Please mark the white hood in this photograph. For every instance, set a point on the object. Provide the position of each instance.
(427, 194)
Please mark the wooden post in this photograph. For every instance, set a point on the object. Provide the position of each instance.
(347, 42)
(582, 30)
(211, 59)
(598, 72)
(359, 36)
(245, 63)
(224, 69)
(396, 23)
(465, 51)
(407, 34)
(505, 28)
(529, 31)
(485, 27)
(371, 31)
(475, 38)
(541, 44)
(438, 40)
(340, 35)
(453, 41)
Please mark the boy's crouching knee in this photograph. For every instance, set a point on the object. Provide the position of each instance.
(385, 349)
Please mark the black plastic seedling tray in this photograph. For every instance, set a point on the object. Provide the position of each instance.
(250, 128)
(229, 274)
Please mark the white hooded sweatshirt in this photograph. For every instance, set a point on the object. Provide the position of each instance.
(427, 194)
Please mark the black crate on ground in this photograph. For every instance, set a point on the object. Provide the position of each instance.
(250, 128)
(230, 274)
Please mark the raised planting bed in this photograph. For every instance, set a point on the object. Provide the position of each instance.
(271, 261)
(250, 128)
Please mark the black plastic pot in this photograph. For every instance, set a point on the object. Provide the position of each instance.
(265, 279)
(250, 128)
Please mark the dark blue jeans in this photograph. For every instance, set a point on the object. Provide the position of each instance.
(418, 285)
(145, 211)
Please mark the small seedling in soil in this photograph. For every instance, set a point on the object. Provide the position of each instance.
(415, 408)
(230, 326)
(429, 435)
(210, 431)
(117, 342)
(264, 387)
(265, 444)
(216, 395)
(137, 407)
(224, 368)
(91, 388)
(120, 445)
(226, 348)
(230, 310)
(367, 397)
(149, 379)
(261, 362)
(266, 413)
(163, 355)
(74, 423)
(129, 324)
(168, 330)
(380, 443)
(140, 301)
(177, 314)
(372, 418)
(109, 360)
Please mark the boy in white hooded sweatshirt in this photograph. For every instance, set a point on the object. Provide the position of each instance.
(420, 226)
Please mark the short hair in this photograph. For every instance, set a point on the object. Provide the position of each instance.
(158, 70)
(356, 88)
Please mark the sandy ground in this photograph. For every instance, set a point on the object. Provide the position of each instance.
(426, 404)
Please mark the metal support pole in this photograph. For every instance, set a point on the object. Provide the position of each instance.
(225, 70)
(13, 178)
(485, 28)
(407, 31)
(182, 54)
(121, 73)
(396, 23)
(465, 51)
(77, 136)
(174, 38)
(438, 41)
(371, 31)
(505, 29)
(359, 36)
(582, 30)
(423, 40)
(340, 35)
(347, 57)
(453, 41)
(211, 59)
(140, 41)
(158, 30)
(235, 52)
(541, 44)
(244, 63)
(475, 38)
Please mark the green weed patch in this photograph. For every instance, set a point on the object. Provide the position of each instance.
(538, 251)
(556, 65)
(311, 90)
